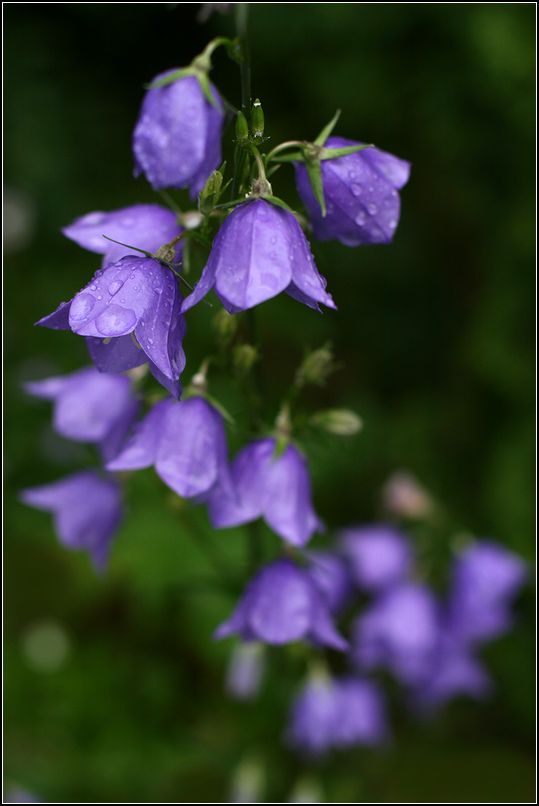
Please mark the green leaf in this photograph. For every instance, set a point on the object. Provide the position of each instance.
(333, 153)
(295, 156)
(205, 86)
(326, 131)
(314, 172)
(278, 203)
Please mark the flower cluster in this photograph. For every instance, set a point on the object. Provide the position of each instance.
(249, 247)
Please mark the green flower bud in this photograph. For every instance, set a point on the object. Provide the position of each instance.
(242, 129)
(225, 325)
(209, 195)
(341, 422)
(257, 119)
(316, 367)
(244, 357)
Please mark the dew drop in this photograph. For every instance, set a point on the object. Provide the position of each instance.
(114, 287)
(115, 321)
(81, 306)
(372, 208)
(356, 189)
(360, 219)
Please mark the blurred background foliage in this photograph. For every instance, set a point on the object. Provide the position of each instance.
(113, 687)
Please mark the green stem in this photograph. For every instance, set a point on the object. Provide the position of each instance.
(242, 11)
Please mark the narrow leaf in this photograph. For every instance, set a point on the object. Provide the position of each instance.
(314, 172)
(326, 131)
(333, 153)
(170, 79)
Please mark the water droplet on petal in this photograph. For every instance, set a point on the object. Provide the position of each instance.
(372, 208)
(115, 321)
(360, 219)
(81, 306)
(356, 189)
(114, 287)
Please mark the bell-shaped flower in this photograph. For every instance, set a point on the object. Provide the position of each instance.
(455, 672)
(185, 442)
(87, 510)
(280, 605)
(270, 486)
(485, 580)
(245, 670)
(177, 138)
(136, 297)
(330, 572)
(336, 713)
(378, 556)
(259, 251)
(90, 407)
(399, 631)
(361, 194)
(144, 226)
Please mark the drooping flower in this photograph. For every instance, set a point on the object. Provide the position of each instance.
(455, 672)
(360, 189)
(90, 407)
(331, 574)
(185, 442)
(134, 297)
(378, 556)
(399, 631)
(337, 713)
(282, 604)
(245, 670)
(264, 485)
(87, 510)
(486, 579)
(145, 226)
(259, 251)
(177, 138)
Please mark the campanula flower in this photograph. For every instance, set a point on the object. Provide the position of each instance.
(399, 631)
(485, 580)
(87, 510)
(145, 226)
(360, 189)
(185, 442)
(90, 407)
(270, 486)
(280, 605)
(177, 138)
(245, 670)
(337, 713)
(259, 251)
(331, 574)
(378, 556)
(134, 297)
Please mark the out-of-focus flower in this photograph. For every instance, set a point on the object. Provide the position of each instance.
(145, 226)
(280, 605)
(186, 442)
(276, 488)
(259, 251)
(90, 407)
(486, 579)
(247, 782)
(245, 670)
(360, 189)
(378, 556)
(332, 713)
(399, 631)
(331, 574)
(177, 138)
(455, 672)
(87, 510)
(18, 795)
(135, 295)
(402, 495)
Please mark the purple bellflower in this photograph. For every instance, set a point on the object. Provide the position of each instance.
(245, 670)
(185, 442)
(378, 556)
(486, 578)
(177, 138)
(87, 510)
(280, 605)
(90, 407)
(400, 632)
(145, 226)
(331, 713)
(276, 488)
(330, 572)
(455, 672)
(360, 189)
(259, 251)
(134, 298)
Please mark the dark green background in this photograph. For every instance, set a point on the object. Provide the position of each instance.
(435, 335)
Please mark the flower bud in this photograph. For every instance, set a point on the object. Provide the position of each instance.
(225, 325)
(341, 422)
(244, 358)
(257, 119)
(316, 367)
(242, 129)
(210, 193)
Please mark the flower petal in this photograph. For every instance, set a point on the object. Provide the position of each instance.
(141, 449)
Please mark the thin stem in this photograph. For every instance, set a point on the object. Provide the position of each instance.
(242, 11)
(282, 147)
